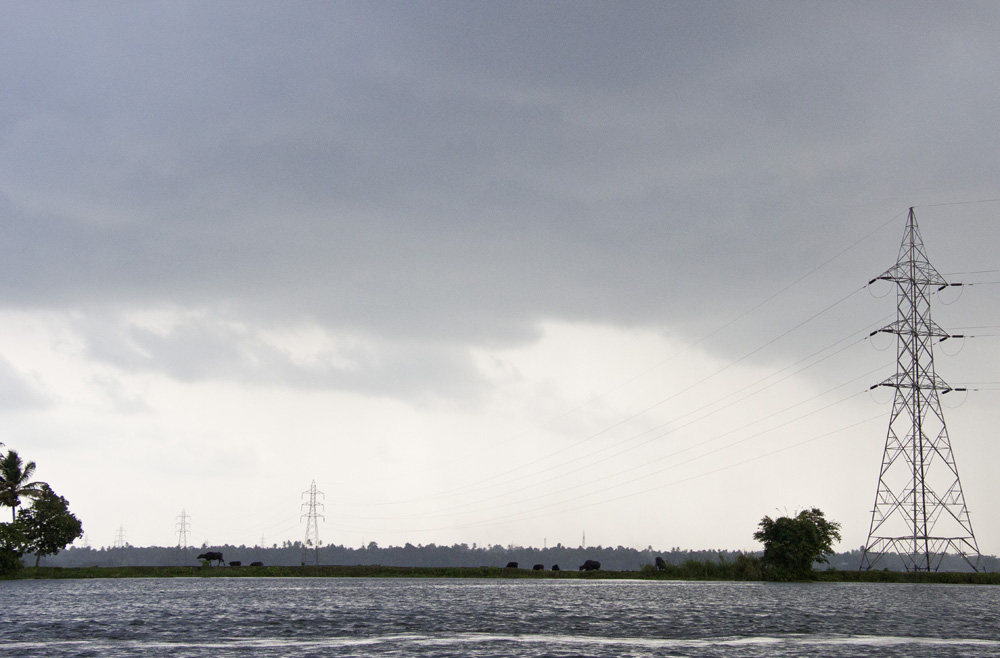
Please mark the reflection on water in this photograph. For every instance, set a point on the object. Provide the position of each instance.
(413, 617)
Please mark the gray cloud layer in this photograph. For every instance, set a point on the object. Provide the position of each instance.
(230, 230)
(19, 392)
(459, 172)
(199, 349)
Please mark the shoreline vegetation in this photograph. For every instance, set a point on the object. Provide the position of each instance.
(700, 571)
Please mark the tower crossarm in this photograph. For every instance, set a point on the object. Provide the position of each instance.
(926, 382)
(926, 329)
(923, 275)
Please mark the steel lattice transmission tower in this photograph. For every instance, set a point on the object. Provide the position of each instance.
(183, 527)
(120, 543)
(312, 524)
(920, 513)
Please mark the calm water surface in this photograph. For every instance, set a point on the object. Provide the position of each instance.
(300, 617)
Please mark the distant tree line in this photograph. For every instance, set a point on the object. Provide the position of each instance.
(432, 555)
(793, 547)
(618, 558)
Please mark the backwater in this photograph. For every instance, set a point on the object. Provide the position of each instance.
(320, 617)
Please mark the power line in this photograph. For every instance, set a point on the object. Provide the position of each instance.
(531, 515)
(534, 500)
(478, 485)
(805, 363)
(955, 203)
(495, 446)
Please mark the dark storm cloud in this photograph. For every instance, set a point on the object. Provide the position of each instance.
(455, 171)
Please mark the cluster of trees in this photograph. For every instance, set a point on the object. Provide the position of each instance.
(793, 544)
(43, 528)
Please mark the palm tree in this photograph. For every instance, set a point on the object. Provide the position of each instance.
(15, 482)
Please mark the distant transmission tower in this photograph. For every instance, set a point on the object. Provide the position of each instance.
(183, 526)
(920, 512)
(119, 556)
(312, 526)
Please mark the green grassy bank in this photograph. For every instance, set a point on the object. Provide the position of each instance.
(323, 571)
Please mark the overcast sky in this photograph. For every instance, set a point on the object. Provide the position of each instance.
(486, 272)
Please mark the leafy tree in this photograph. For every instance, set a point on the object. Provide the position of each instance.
(15, 482)
(793, 544)
(11, 545)
(48, 526)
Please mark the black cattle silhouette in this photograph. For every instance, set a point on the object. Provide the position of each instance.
(660, 564)
(555, 567)
(256, 564)
(235, 563)
(212, 556)
(538, 567)
(590, 565)
(512, 565)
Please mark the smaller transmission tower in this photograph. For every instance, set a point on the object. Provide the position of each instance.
(118, 558)
(920, 513)
(183, 527)
(312, 525)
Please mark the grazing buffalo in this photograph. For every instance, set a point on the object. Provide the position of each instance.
(590, 565)
(212, 556)
(235, 563)
(555, 567)
(660, 564)
(256, 564)
(538, 567)
(512, 565)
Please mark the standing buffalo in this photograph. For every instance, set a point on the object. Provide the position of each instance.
(212, 556)
(660, 564)
(555, 567)
(235, 563)
(256, 564)
(512, 565)
(538, 567)
(590, 565)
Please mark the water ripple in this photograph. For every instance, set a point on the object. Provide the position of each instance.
(268, 618)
